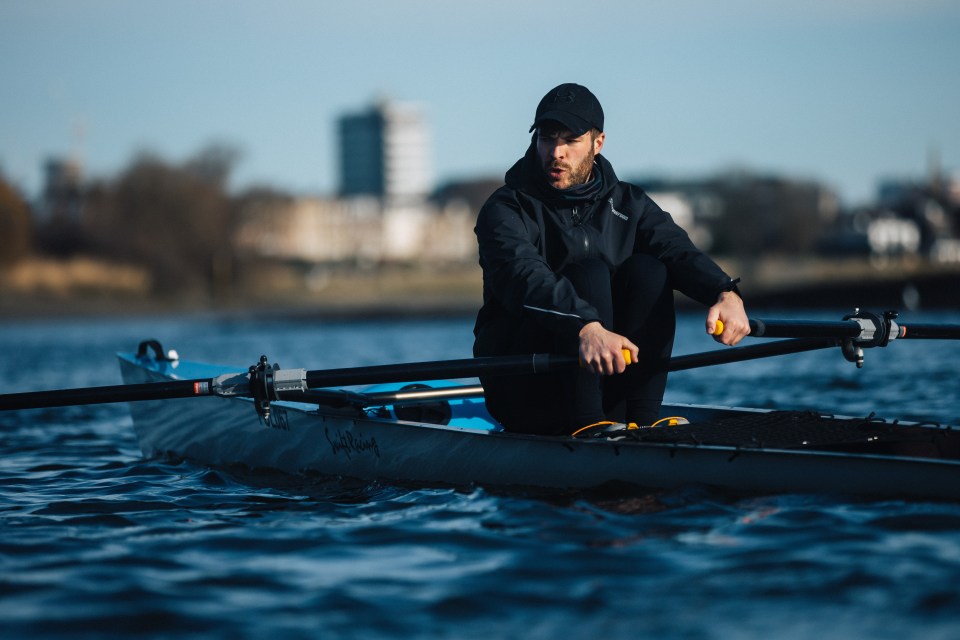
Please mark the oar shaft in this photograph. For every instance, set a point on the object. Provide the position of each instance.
(930, 331)
(752, 352)
(237, 384)
(505, 366)
(537, 363)
(843, 329)
(442, 369)
(106, 394)
(804, 329)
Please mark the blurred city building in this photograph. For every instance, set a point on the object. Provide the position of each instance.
(740, 212)
(909, 218)
(59, 208)
(385, 153)
(357, 232)
(62, 196)
(384, 212)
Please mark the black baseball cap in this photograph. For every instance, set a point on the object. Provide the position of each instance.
(573, 106)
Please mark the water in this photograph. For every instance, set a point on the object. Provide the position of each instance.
(95, 541)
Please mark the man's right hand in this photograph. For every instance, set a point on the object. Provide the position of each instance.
(601, 351)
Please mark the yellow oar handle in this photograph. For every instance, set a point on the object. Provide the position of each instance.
(626, 357)
(718, 330)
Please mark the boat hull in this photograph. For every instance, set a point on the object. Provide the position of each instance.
(300, 438)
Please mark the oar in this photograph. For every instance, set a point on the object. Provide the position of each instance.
(266, 383)
(860, 326)
(106, 394)
(853, 334)
(752, 352)
(440, 370)
(342, 397)
(290, 381)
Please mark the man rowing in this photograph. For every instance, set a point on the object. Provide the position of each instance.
(576, 261)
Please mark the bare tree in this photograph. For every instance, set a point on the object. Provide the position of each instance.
(174, 220)
(15, 227)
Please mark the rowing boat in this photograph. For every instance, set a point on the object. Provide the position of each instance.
(440, 432)
(420, 423)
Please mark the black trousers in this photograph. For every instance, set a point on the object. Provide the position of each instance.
(634, 300)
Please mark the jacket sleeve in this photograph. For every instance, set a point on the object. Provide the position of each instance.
(692, 272)
(518, 276)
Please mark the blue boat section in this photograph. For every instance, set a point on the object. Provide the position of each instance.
(466, 413)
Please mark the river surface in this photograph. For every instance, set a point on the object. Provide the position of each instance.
(98, 542)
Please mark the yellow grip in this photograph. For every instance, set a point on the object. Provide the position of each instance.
(718, 329)
(626, 357)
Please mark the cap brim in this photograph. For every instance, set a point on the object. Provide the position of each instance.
(575, 124)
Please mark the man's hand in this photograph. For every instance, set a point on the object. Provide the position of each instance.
(601, 351)
(728, 310)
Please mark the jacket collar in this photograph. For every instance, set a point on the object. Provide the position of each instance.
(526, 176)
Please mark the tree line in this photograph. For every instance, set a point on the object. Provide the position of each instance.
(173, 220)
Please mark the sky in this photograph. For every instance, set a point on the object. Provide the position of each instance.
(845, 93)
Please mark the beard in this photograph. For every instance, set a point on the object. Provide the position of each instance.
(576, 175)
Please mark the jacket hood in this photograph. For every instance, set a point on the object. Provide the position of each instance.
(526, 176)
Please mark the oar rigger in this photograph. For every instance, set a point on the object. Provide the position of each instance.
(875, 331)
(263, 382)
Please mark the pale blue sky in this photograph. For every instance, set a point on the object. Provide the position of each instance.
(845, 92)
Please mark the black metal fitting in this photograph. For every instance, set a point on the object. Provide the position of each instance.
(262, 387)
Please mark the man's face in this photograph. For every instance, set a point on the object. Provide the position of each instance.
(567, 160)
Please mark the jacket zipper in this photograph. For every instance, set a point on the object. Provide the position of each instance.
(575, 215)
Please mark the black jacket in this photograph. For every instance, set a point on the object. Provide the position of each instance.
(527, 234)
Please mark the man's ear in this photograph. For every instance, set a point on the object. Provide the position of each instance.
(598, 142)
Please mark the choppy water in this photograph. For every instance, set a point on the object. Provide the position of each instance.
(95, 541)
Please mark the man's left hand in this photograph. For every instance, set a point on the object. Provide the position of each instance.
(728, 310)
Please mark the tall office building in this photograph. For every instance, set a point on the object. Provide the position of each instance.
(385, 152)
(62, 197)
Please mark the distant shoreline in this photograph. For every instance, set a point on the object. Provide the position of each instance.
(422, 293)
